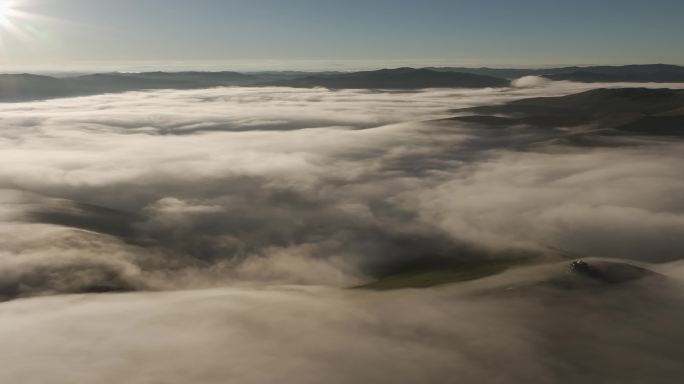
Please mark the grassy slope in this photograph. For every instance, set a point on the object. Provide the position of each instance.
(448, 274)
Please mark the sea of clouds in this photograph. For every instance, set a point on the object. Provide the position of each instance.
(174, 189)
(250, 207)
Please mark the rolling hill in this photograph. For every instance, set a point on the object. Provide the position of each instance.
(625, 110)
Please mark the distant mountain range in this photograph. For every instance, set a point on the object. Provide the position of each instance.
(400, 78)
(19, 87)
(657, 73)
(22, 87)
(639, 111)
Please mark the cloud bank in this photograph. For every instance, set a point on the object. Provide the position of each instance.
(177, 189)
(530, 82)
(301, 334)
(238, 212)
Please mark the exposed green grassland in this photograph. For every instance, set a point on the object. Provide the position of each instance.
(444, 274)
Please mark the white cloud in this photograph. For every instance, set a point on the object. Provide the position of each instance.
(240, 189)
(201, 177)
(531, 82)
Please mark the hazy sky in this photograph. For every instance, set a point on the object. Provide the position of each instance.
(298, 33)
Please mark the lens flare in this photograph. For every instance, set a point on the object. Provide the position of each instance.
(8, 15)
(5, 8)
(21, 27)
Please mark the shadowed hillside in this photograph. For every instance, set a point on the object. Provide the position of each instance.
(626, 110)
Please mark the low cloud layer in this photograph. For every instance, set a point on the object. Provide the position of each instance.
(174, 189)
(237, 214)
(312, 335)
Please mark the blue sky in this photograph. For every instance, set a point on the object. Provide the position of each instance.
(350, 32)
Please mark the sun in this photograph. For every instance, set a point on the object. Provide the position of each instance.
(5, 7)
(15, 22)
(6, 10)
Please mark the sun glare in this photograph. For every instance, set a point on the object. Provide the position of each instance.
(6, 8)
(19, 24)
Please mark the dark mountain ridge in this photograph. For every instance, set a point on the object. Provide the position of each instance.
(658, 73)
(23, 87)
(624, 110)
(400, 78)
